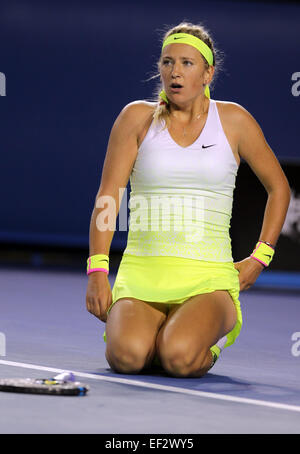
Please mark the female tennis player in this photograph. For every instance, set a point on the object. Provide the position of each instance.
(175, 300)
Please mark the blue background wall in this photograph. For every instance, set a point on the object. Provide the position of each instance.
(71, 67)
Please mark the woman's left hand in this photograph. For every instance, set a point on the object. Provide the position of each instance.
(249, 269)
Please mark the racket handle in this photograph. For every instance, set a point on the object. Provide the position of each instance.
(65, 376)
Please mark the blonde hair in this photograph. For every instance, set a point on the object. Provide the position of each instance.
(162, 111)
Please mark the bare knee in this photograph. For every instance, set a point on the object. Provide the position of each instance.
(182, 365)
(179, 360)
(127, 358)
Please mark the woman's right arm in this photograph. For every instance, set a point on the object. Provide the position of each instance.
(119, 160)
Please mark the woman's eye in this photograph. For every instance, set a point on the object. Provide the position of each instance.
(185, 62)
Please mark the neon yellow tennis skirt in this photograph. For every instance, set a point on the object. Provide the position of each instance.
(172, 280)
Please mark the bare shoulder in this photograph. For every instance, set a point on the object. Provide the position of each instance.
(232, 111)
(252, 144)
(140, 105)
(241, 125)
(137, 112)
(136, 117)
(237, 118)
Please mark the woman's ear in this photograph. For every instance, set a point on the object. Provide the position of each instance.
(210, 74)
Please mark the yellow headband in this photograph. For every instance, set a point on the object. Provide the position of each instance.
(187, 38)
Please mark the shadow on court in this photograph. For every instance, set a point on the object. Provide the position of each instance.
(159, 376)
(214, 383)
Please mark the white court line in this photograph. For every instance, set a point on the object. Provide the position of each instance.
(173, 389)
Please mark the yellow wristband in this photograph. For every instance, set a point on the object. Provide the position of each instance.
(263, 253)
(98, 262)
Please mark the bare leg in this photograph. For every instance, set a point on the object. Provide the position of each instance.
(184, 341)
(131, 331)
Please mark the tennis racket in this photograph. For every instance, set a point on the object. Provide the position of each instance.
(61, 385)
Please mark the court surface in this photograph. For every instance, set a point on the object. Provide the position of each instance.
(253, 388)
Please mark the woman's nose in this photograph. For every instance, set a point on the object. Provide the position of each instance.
(175, 72)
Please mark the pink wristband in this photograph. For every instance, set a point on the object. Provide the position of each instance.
(96, 269)
(97, 263)
(263, 253)
(260, 261)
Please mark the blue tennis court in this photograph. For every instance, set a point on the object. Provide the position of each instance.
(253, 388)
(68, 70)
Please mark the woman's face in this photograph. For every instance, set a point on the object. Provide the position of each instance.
(182, 64)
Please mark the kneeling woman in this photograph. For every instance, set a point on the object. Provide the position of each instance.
(175, 300)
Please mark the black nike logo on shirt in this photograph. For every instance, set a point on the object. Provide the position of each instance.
(207, 146)
(267, 255)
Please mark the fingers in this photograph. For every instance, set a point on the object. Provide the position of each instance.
(245, 286)
(246, 281)
(248, 273)
(96, 308)
(98, 296)
(237, 266)
(103, 316)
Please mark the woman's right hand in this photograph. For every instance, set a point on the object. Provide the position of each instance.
(98, 295)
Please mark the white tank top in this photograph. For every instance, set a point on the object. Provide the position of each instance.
(181, 197)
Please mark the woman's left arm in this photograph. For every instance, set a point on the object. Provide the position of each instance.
(254, 149)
